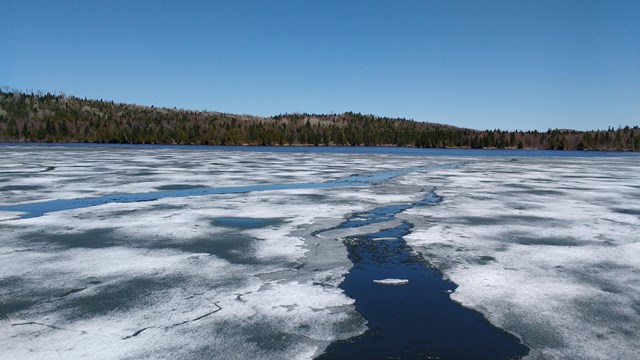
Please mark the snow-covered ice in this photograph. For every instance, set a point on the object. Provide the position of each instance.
(546, 248)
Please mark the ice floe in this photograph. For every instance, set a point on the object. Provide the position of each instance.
(391, 281)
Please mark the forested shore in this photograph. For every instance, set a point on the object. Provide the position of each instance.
(47, 117)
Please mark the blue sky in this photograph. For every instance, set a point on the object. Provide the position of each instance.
(479, 64)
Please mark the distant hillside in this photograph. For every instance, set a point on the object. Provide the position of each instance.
(58, 118)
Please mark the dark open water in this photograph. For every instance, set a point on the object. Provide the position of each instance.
(413, 321)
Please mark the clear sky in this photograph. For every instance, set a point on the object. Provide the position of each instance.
(481, 64)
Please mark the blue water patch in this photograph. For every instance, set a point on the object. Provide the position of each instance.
(368, 150)
(416, 320)
(245, 222)
(36, 209)
(382, 214)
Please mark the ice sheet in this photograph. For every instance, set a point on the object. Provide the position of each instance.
(546, 248)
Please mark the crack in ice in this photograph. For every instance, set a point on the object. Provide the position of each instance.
(36, 209)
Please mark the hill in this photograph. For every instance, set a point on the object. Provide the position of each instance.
(46, 117)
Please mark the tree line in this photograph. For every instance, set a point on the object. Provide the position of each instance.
(47, 117)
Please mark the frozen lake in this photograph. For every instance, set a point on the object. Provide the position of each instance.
(270, 253)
